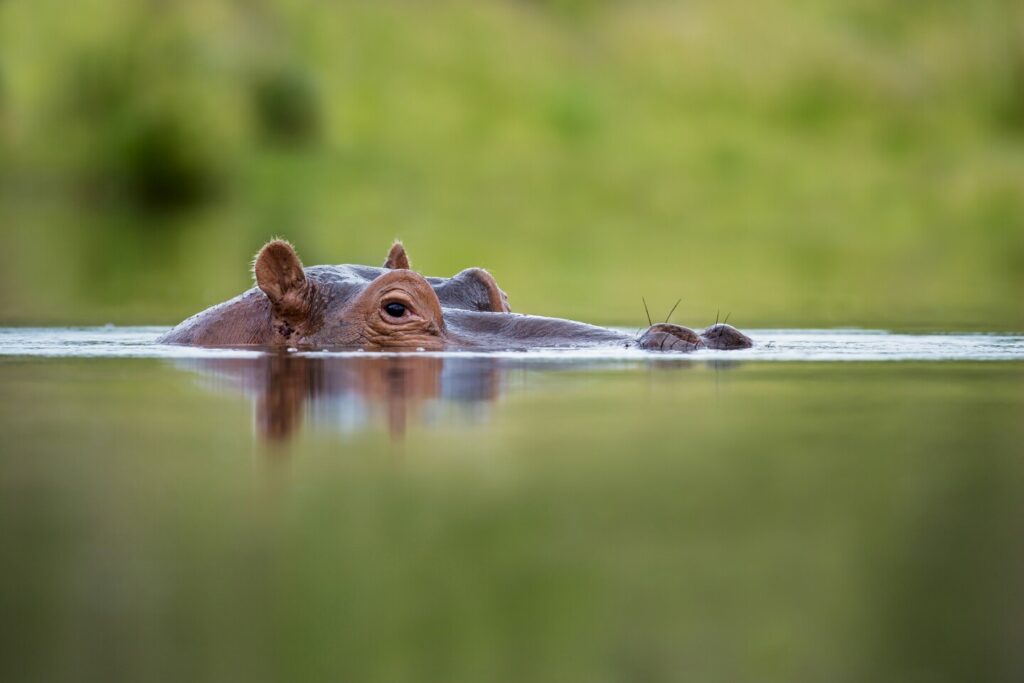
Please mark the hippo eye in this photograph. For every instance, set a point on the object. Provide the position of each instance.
(394, 309)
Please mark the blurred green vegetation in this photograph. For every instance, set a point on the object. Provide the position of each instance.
(800, 163)
(769, 522)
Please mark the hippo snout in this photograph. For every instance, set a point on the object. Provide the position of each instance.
(669, 337)
(723, 337)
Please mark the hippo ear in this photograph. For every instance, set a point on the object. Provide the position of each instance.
(280, 275)
(473, 289)
(397, 258)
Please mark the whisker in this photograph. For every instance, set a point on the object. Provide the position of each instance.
(647, 311)
(669, 316)
(727, 317)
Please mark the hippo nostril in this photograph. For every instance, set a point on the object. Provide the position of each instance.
(669, 337)
(722, 336)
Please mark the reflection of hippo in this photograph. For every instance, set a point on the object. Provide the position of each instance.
(355, 392)
(394, 308)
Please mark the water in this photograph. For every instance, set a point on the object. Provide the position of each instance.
(830, 505)
(770, 345)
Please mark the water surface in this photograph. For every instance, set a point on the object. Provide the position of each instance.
(170, 513)
(786, 345)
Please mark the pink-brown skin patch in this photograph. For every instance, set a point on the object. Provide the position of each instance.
(394, 307)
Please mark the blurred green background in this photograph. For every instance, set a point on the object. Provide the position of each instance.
(840, 162)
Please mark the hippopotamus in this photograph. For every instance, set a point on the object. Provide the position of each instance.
(394, 308)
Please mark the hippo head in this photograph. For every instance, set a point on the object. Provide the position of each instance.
(366, 307)
(394, 307)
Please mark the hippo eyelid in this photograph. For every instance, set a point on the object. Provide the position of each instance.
(401, 298)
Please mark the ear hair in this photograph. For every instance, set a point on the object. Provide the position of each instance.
(279, 274)
(397, 258)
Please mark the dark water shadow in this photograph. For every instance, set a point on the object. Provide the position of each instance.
(351, 394)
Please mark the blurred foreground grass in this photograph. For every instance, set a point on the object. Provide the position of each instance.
(772, 522)
(799, 163)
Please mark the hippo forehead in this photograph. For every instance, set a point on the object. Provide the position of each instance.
(346, 282)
